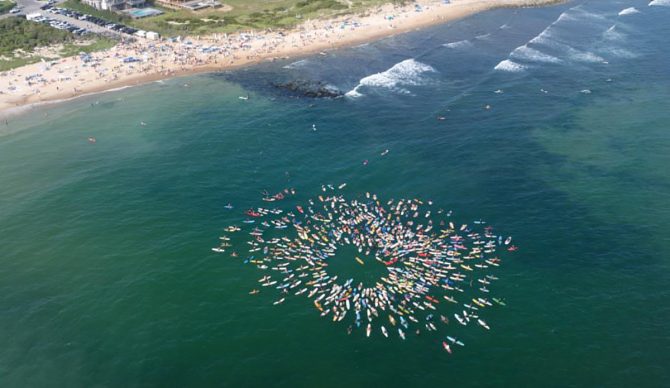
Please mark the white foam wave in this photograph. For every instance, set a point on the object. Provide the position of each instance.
(542, 37)
(559, 50)
(532, 55)
(509, 66)
(459, 44)
(628, 11)
(575, 54)
(577, 13)
(660, 3)
(406, 73)
(584, 56)
(565, 16)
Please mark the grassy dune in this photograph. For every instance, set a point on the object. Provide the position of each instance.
(6, 6)
(245, 15)
(19, 38)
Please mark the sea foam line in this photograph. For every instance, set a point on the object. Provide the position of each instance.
(581, 13)
(532, 55)
(297, 64)
(546, 33)
(613, 34)
(459, 44)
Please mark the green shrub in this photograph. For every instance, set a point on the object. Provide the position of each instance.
(6, 6)
(18, 33)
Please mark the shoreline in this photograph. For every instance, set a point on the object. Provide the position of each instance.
(69, 78)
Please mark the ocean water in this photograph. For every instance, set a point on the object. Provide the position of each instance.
(106, 273)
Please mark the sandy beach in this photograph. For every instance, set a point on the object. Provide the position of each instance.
(153, 60)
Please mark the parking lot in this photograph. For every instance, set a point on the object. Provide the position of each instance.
(85, 22)
(66, 19)
(24, 7)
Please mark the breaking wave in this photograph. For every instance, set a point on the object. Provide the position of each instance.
(661, 3)
(543, 36)
(406, 73)
(572, 14)
(584, 56)
(532, 55)
(509, 66)
(629, 11)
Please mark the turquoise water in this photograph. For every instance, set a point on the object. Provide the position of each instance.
(144, 12)
(106, 273)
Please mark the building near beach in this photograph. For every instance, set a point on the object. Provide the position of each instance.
(114, 5)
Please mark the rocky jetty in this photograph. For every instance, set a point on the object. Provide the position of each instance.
(310, 89)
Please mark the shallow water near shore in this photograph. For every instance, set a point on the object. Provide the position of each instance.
(106, 273)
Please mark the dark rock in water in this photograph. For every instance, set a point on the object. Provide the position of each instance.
(311, 89)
